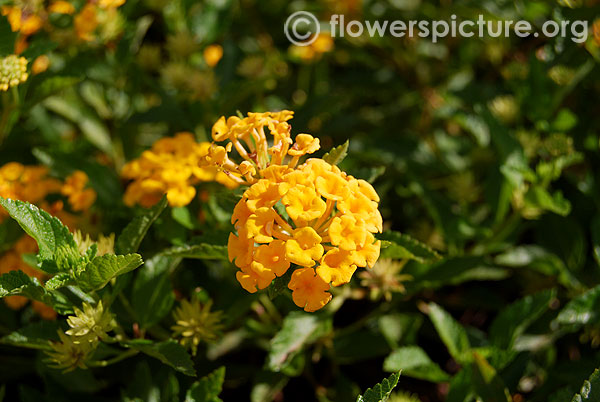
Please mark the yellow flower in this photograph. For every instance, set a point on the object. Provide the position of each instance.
(261, 157)
(86, 22)
(40, 64)
(25, 21)
(328, 225)
(105, 244)
(195, 323)
(108, 4)
(171, 167)
(68, 354)
(80, 198)
(90, 324)
(61, 7)
(322, 44)
(13, 71)
(303, 205)
(304, 247)
(212, 54)
(309, 291)
(305, 144)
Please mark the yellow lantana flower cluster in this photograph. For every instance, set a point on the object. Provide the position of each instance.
(248, 137)
(315, 218)
(33, 184)
(171, 167)
(13, 71)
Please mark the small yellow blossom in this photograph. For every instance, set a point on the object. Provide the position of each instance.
(90, 324)
(86, 22)
(108, 4)
(80, 198)
(40, 64)
(25, 21)
(61, 7)
(171, 167)
(309, 290)
(195, 323)
(322, 44)
(213, 54)
(69, 354)
(26, 183)
(105, 244)
(13, 71)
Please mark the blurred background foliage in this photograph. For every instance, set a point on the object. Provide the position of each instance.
(484, 149)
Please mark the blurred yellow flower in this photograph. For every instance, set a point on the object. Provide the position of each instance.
(213, 54)
(79, 196)
(40, 64)
(171, 167)
(322, 44)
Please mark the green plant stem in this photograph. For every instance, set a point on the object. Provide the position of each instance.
(116, 359)
(81, 294)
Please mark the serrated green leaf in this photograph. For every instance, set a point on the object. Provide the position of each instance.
(98, 272)
(17, 283)
(337, 154)
(131, 237)
(168, 352)
(402, 246)
(58, 281)
(298, 329)
(208, 388)
(152, 296)
(201, 251)
(54, 240)
(414, 362)
(511, 322)
(381, 391)
(582, 309)
(451, 332)
(590, 390)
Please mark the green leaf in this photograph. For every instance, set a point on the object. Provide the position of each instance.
(201, 251)
(414, 362)
(595, 229)
(7, 37)
(381, 391)
(54, 240)
(183, 216)
(152, 296)
(58, 281)
(208, 388)
(298, 329)
(50, 86)
(168, 352)
(399, 246)
(279, 284)
(98, 272)
(17, 283)
(582, 309)
(131, 237)
(35, 336)
(451, 332)
(511, 322)
(590, 390)
(337, 154)
(487, 383)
